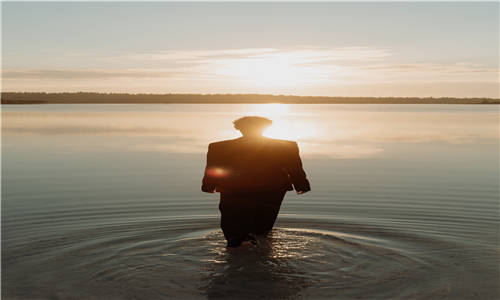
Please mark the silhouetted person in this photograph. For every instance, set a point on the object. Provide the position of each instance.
(252, 174)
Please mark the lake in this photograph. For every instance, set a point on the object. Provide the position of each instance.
(103, 201)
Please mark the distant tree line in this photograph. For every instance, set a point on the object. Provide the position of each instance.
(84, 97)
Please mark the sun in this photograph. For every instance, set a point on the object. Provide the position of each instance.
(262, 72)
(271, 70)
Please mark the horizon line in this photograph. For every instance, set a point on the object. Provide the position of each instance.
(245, 94)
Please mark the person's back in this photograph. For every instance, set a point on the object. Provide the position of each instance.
(254, 163)
(252, 173)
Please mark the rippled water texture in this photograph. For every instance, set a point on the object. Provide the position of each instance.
(104, 202)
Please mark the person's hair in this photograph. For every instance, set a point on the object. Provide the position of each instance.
(250, 122)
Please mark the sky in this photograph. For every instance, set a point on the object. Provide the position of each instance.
(400, 49)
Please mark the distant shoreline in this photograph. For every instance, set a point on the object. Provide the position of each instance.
(122, 98)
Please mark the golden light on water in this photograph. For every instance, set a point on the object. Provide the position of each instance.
(335, 131)
(285, 129)
(285, 125)
(270, 110)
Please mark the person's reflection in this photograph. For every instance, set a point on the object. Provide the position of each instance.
(252, 173)
(264, 272)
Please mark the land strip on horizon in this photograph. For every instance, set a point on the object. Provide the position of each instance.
(107, 98)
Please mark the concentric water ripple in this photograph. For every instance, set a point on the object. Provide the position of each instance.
(188, 259)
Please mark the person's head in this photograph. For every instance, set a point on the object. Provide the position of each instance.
(252, 126)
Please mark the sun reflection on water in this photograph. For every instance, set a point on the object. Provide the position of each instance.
(286, 124)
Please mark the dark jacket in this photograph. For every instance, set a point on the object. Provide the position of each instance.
(253, 165)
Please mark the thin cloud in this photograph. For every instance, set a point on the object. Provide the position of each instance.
(86, 74)
(300, 55)
(460, 67)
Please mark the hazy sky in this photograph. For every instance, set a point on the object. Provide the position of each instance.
(334, 49)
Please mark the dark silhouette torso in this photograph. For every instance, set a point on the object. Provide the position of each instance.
(254, 164)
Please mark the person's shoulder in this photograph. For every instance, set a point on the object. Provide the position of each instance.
(284, 143)
(221, 143)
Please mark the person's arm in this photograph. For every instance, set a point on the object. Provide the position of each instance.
(296, 172)
(209, 181)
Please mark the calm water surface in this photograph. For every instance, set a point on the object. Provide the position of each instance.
(104, 202)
